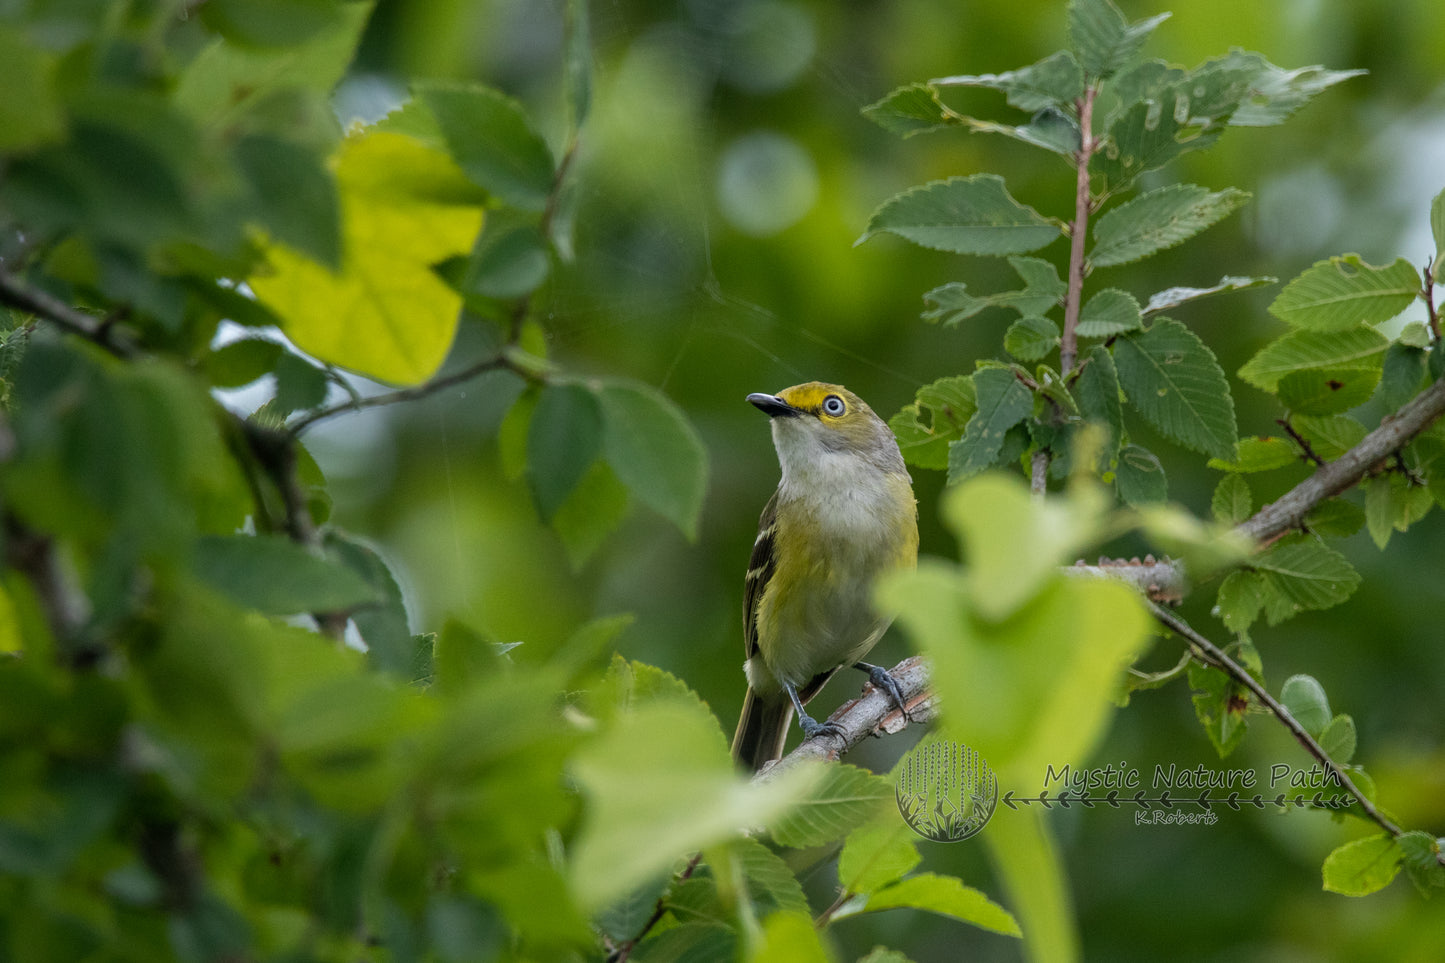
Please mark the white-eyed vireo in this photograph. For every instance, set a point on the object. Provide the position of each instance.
(843, 514)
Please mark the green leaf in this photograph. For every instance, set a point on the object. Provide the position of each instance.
(30, 112)
(1232, 502)
(1344, 292)
(1363, 866)
(1140, 477)
(1338, 739)
(1003, 402)
(577, 62)
(1220, 705)
(1330, 436)
(563, 440)
(1146, 136)
(1335, 518)
(1403, 374)
(385, 314)
(1103, 39)
(293, 196)
(510, 260)
(1258, 454)
(1055, 81)
(876, 854)
(1098, 391)
(914, 109)
(241, 362)
(771, 882)
(1175, 383)
(300, 385)
(270, 23)
(383, 625)
(274, 575)
(1108, 313)
(1031, 338)
(965, 215)
(1277, 93)
(1421, 856)
(1327, 391)
(1305, 699)
(593, 511)
(950, 403)
(946, 896)
(491, 138)
(655, 451)
(1171, 298)
(1042, 290)
(1308, 573)
(1300, 350)
(844, 798)
(1437, 228)
(1240, 600)
(1159, 220)
(512, 433)
(1393, 504)
(788, 938)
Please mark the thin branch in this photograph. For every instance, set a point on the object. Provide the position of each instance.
(1395, 432)
(494, 363)
(1427, 294)
(1160, 580)
(624, 951)
(1300, 440)
(1069, 343)
(1240, 675)
(1039, 472)
(33, 300)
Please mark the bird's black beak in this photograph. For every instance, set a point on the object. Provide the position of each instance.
(773, 406)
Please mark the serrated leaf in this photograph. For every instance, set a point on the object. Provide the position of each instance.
(1103, 39)
(1172, 379)
(276, 576)
(1031, 338)
(786, 938)
(1330, 436)
(1335, 518)
(951, 303)
(1363, 866)
(946, 896)
(1257, 454)
(965, 215)
(1344, 292)
(914, 109)
(844, 798)
(1140, 477)
(1308, 573)
(1402, 375)
(564, 438)
(1393, 504)
(1338, 739)
(876, 854)
(1003, 402)
(1305, 699)
(771, 884)
(654, 451)
(1148, 135)
(492, 139)
(1277, 93)
(1055, 81)
(1159, 220)
(1220, 705)
(1327, 391)
(1240, 600)
(1110, 312)
(950, 403)
(1098, 391)
(1171, 298)
(1299, 350)
(1232, 502)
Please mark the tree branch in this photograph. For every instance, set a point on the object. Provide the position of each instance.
(1069, 342)
(495, 363)
(1395, 431)
(1159, 580)
(33, 300)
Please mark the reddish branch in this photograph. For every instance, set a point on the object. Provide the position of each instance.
(1083, 206)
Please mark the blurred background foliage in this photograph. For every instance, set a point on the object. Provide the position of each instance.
(720, 183)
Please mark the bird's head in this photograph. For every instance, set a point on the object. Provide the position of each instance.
(815, 421)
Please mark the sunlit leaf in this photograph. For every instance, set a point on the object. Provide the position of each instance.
(946, 896)
(1363, 866)
(1344, 292)
(842, 799)
(1356, 348)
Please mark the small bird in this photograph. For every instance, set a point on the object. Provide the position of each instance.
(843, 514)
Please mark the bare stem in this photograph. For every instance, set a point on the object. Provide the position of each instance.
(1039, 472)
(33, 300)
(1300, 440)
(1083, 206)
(494, 363)
(1427, 294)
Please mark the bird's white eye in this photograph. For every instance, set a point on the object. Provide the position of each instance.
(833, 405)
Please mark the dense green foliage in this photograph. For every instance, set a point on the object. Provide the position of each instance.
(283, 679)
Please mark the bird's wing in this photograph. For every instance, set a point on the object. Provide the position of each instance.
(761, 566)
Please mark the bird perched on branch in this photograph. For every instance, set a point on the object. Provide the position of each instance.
(843, 514)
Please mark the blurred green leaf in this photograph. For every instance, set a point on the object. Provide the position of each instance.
(1437, 228)
(383, 626)
(946, 896)
(1140, 477)
(1173, 380)
(1338, 739)
(1031, 338)
(1301, 350)
(876, 854)
(30, 111)
(1055, 81)
(1043, 289)
(950, 403)
(1108, 313)
(577, 62)
(965, 215)
(1393, 504)
(839, 801)
(510, 259)
(1330, 436)
(1232, 502)
(1305, 699)
(1344, 292)
(270, 23)
(274, 575)
(1327, 391)
(300, 385)
(1308, 573)
(1159, 220)
(1220, 704)
(1335, 517)
(241, 362)
(1277, 93)
(789, 937)
(1104, 40)
(1258, 454)
(492, 139)
(1363, 866)
(563, 440)
(293, 195)
(1171, 298)
(914, 109)
(654, 451)
(594, 510)
(514, 430)
(1003, 402)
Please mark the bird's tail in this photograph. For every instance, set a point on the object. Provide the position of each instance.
(762, 730)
